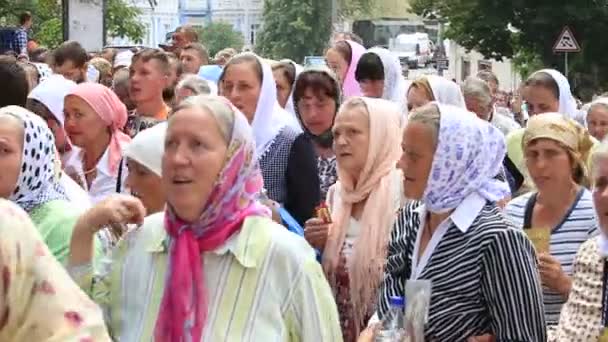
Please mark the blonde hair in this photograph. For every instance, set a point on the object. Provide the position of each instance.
(424, 85)
(599, 154)
(218, 107)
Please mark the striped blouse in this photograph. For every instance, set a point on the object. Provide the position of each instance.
(578, 226)
(264, 284)
(482, 272)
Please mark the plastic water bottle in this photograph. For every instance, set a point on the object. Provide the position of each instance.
(393, 325)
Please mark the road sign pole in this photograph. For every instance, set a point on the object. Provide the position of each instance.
(566, 64)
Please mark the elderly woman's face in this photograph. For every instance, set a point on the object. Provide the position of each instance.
(540, 100)
(476, 106)
(82, 124)
(600, 192)
(417, 97)
(351, 139)
(11, 152)
(283, 87)
(549, 164)
(418, 148)
(146, 185)
(242, 86)
(195, 153)
(597, 121)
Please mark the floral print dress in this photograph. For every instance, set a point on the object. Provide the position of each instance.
(38, 300)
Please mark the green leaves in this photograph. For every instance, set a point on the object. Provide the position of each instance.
(121, 19)
(294, 28)
(220, 35)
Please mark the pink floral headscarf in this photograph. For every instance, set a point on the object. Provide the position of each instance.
(350, 86)
(234, 198)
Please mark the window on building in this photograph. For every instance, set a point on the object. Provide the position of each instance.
(466, 69)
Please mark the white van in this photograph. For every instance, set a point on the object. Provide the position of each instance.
(414, 50)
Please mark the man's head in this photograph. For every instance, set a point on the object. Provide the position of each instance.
(149, 75)
(184, 35)
(193, 56)
(105, 70)
(70, 60)
(26, 20)
(108, 54)
(478, 97)
(223, 57)
(14, 86)
(120, 85)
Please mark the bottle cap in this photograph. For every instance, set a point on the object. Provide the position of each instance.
(397, 301)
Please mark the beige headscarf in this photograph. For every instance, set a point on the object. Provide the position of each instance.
(567, 132)
(374, 184)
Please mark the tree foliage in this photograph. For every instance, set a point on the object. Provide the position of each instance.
(527, 29)
(219, 35)
(121, 19)
(294, 28)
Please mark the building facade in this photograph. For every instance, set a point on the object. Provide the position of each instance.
(244, 15)
(160, 18)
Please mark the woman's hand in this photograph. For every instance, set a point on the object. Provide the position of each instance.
(315, 232)
(482, 338)
(552, 275)
(369, 333)
(115, 210)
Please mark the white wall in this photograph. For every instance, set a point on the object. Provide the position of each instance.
(509, 79)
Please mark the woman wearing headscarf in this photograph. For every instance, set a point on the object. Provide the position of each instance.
(342, 57)
(94, 118)
(285, 73)
(434, 88)
(483, 273)
(30, 177)
(555, 150)
(286, 155)
(214, 252)
(546, 91)
(317, 98)
(363, 204)
(144, 155)
(379, 75)
(38, 299)
(597, 118)
(583, 316)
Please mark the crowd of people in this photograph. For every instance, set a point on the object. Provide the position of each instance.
(168, 195)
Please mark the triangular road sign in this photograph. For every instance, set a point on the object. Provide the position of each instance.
(566, 42)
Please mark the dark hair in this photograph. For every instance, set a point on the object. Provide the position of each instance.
(70, 51)
(320, 83)
(344, 49)
(38, 55)
(200, 49)
(288, 70)
(149, 54)
(370, 67)
(40, 109)
(245, 58)
(488, 76)
(25, 17)
(545, 80)
(14, 86)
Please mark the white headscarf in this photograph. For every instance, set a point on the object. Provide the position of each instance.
(457, 169)
(123, 59)
(147, 148)
(269, 118)
(51, 93)
(445, 91)
(395, 86)
(567, 103)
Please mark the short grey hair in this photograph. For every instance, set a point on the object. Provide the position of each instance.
(478, 89)
(217, 106)
(428, 115)
(195, 84)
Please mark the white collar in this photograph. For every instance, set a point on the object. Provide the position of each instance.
(102, 166)
(465, 213)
